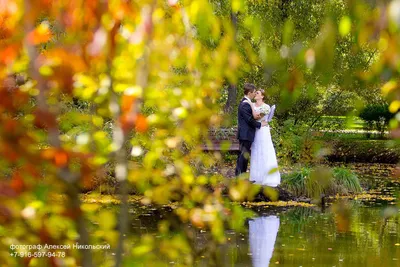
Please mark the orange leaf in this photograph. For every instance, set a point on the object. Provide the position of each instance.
(64, 78)
(5, 32)
(121, 11)
(11, 98)
(46, 4)
(6, 190)
(141, 124)
(44, 236)
(294, 80)
(72, 213)
(17, 183)
(44, 119)
(5, 215)
(31, 169)
(127, 102)
(70, 57)
(48, 153)
(10, 125)
(127, 122)
(8, 54)
(41, 34)
(4, 99)
(61, 158)
(87, 177)
(9, 153)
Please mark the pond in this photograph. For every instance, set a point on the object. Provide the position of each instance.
(363, 231)
(353, 233)
(358, 232)
(308, 237)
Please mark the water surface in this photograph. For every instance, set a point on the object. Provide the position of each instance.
(308, 237)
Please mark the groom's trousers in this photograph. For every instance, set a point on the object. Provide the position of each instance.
(243, 159)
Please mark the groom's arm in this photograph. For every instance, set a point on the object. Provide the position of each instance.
(248, 117)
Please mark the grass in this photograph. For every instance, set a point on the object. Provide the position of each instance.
(296, 182)
(349, 123)
(301, 216)
(346, 180)
(351, 136)
(308, 182)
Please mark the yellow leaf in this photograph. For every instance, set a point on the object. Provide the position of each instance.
(89, 207)
(344, 26)
(141, 250)
(135, 91)
(271, 193)
(273, 170)
(389, 86)
(394, 106)
(237, 5)
(46, 71)
(107, 220)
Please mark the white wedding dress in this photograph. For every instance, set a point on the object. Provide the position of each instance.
(262, 236)
(263, 162)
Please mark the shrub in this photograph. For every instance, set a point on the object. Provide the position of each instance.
(346, 180)
(309, 182)
(289, 141)
(296, 182)
(369, 151)
(376, 117)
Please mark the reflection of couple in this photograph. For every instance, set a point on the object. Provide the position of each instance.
(262, 237)
(255, 137)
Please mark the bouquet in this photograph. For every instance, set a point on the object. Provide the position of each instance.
(264, 110)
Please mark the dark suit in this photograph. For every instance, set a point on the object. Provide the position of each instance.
(247, 126)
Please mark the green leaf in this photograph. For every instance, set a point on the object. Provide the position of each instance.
(288, 32)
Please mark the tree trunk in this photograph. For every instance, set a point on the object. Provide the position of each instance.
(231, 101)
(232, 89)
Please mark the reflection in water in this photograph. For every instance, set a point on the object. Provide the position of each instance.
(306, 237)
(262, 232)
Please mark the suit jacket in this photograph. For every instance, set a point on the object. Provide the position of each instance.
(247, 125)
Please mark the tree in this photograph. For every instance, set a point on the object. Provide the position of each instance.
(120, 58)
(150, 75)
(274, 38)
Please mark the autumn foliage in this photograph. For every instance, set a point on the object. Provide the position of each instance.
(143, 79)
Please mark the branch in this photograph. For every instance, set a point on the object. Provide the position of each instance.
(120, 137)
(370, 58)
(65, 174)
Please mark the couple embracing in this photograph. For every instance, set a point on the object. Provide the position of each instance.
(255, 139)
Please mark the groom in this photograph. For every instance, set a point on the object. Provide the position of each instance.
(246, 128)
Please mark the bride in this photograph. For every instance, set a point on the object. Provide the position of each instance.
(263, 163)
(263, 232)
